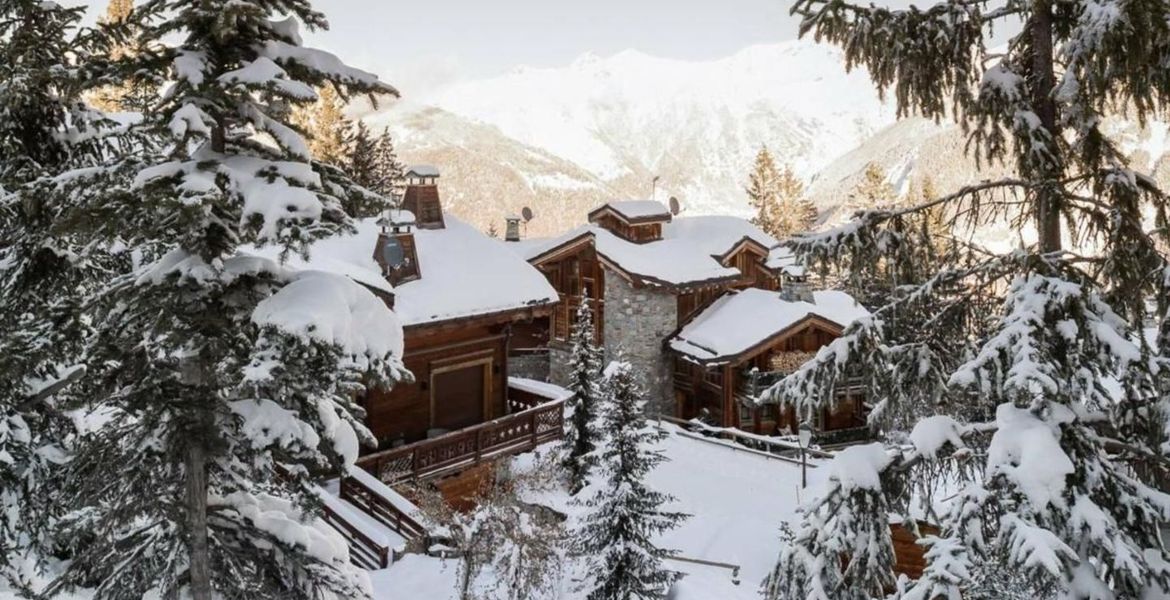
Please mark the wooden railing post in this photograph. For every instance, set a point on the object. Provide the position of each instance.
(533, 420)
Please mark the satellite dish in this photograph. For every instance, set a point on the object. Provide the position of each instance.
(526, 213)
(675, 207)
(393, 254)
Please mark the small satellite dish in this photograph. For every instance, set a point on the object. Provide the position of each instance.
(526, 213)
(675, 207)
(393, 254)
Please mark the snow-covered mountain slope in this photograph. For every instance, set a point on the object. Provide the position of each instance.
(913, 149)
(623, 119)
(486, 175)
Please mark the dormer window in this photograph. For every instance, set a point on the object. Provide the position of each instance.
(638, 221)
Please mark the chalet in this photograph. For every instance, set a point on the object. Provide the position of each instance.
(658, 284)
(457, 293)
(747, 340)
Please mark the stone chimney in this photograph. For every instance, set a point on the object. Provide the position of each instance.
(795, 287)
(512, 230)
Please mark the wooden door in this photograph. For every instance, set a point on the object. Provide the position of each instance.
(459, 395)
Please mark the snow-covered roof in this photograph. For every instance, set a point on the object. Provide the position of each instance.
(422, 171)
(398, 216)
(665, 262)
(635, 210)
(463, 272)
(741, 321)
(715, 234)
(783, 260)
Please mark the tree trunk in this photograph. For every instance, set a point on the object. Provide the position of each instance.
(1048, 199)
(195, 463)
(197, 547)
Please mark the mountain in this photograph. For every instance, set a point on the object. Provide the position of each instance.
(486, 175)
(913, 149)
(563, 139)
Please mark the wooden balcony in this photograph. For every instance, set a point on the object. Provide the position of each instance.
(541, 419)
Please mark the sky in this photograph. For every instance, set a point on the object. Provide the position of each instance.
(427, 43)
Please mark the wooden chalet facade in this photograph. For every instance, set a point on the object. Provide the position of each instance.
(638, 252)
(722, 388)
(459, 297)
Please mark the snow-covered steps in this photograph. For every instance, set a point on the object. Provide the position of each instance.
(377, 522)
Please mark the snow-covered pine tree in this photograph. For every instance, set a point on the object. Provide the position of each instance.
(585, 364)
(1056, 496)
(228, 380)
(390, 171)
(44, 272)
(625, 514)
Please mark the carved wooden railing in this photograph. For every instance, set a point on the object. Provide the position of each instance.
(363, 551)
(513, 434)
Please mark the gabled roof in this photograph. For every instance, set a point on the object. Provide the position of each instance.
(669, 263)
(633, 212)
(464, 273)
(716, 235)
(739, 324)
(421, 171)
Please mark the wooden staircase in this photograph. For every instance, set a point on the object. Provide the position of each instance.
(540, 419)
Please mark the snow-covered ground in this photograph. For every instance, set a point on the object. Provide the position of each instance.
(737, 499)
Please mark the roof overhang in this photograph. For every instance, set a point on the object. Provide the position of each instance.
(754, 350)
(587, 238)
(509, 315)
(605, 209)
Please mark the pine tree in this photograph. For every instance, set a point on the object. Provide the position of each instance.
(1055, 336)
(44, 130)
(584, 378)
(122, 40)
(778, 199)
(390, 171)
(762, 189)
(228, 381)
(625, 513)
(326, 126)
(794, 212)
(362, 166)
(873, 192)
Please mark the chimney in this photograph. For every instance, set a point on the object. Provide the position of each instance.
(796, 287)
(395, 251)
(421, 197)
(512, 231)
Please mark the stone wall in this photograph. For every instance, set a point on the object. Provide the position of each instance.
(529, 365)
(558, 364)
(637, 320)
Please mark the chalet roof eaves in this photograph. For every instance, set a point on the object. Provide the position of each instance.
(751, 351)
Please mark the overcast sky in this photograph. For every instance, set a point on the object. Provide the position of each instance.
(443, 39)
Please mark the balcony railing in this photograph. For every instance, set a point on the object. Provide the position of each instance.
(448, 453)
